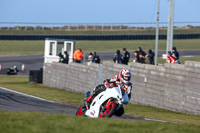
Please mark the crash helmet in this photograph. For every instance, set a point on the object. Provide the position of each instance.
(125, 76)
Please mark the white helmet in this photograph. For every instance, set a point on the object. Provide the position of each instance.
(125, 76)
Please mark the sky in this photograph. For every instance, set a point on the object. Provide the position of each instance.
(96, 11)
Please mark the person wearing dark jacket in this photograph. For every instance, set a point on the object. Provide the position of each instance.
(117, 57)
(96, 58)
(141, 55)
(126, 56)
(136, 59)
(66, 59)
(61, 59)
(175, 53)
(149, 58)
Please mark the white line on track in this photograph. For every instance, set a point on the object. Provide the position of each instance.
(26, 95)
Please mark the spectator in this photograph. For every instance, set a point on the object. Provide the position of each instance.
(126, 56)
(90, 57)
(66, 59)
(136, 59)
(96, 58)
(149, 58)
(142, 58)
(141, 51)
(117, 57)
(171, 59)
(78, 55)
(61, 59)
(142, 54)
(175, 53)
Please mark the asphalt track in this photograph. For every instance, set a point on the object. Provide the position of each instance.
(15, 101)
(35, 62)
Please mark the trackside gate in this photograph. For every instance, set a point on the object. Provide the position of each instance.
(53, 47)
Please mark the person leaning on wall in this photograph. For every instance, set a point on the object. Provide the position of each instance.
(78, 55)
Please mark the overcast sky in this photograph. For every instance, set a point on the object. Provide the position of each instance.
(95, 11)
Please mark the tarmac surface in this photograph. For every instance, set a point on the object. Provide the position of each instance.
(15, 101)
(35, 62)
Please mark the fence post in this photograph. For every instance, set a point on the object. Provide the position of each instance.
(35, 27)
(86, 26)
(25, 27)
(186, 25)
(136, 26)
(128, 26)
(100, 71)
(77, 27)
(17, 26)
(102, 26)
(8, 26)
(51, 26)
(0, 25)
(111, 27)
(43, 27)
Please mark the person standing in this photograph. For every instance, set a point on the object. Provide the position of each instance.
(170, 58)
(66, 59)
(126, 56)
(149, 58)
(117, 57)
(175, 53)
(96, 58)
(78, 55)
(61, 59)
(141, 54)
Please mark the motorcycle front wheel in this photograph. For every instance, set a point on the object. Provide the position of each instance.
(108, 110)
(81, 111)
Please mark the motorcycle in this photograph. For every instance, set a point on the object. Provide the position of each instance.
(12, 70)
(105, 104)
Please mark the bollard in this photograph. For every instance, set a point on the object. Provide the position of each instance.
(23, 67)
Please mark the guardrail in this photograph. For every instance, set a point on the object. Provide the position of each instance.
(93, 26)
(100, 37)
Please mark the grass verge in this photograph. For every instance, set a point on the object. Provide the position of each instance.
(8, 48)
(23, 121)
(18, 122)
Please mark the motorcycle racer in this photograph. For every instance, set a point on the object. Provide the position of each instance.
(123, 80)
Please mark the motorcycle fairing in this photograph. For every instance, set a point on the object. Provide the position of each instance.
(95, 106)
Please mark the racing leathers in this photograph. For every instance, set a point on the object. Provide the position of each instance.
(114, 82)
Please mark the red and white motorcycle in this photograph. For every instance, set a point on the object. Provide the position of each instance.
(105, 103)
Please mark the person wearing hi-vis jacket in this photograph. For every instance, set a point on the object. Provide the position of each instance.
(78, 55)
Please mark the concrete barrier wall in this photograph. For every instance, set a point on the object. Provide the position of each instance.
(172, 86)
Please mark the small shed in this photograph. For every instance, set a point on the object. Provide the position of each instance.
(54, 47)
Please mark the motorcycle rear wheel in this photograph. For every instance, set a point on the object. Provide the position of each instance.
(108, 111)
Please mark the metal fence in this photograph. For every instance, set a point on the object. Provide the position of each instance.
(94, 26)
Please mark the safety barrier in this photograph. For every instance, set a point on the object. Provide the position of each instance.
(100, 37)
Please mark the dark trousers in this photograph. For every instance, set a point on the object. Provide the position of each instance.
(78, 61)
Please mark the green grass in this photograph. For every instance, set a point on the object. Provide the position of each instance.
(41, 122)
(18, 122)
(8, 48)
